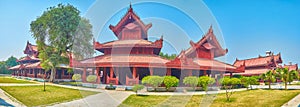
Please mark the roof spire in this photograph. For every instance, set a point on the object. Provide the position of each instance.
(210, 29)
(130, 7)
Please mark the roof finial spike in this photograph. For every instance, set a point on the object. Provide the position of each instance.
(210, 29)
(130, 5)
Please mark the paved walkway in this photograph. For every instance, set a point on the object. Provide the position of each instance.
(295, 102)
(6, 101)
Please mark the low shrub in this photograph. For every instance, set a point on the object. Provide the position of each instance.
(76, 77)
(91, 78)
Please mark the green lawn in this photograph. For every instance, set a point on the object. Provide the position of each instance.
(35, 96)
(13, 80)
(252, 98)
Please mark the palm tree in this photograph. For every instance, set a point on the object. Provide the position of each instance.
(269, 76)
(287, 76)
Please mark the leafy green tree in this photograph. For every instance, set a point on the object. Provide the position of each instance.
(11, 61)
(170, 81)
(228, 84)
(204, 81)
(167, 56)
(269, 76)
(137, 87)
(249, 81)
(59, 31)
(191, 81)
(91, 78)
(287, 76)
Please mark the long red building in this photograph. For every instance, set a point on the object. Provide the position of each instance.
(29, 66)
(262, 64)
(130, 58)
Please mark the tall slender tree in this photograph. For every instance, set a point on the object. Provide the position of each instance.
(269, 76)
(286, 75)
(58, 32)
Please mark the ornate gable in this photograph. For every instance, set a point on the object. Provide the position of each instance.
(131, 27)
(208, 47)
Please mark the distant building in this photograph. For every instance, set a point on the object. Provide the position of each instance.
(29, 66)
(260, 64)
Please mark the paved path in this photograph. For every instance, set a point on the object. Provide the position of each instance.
(6, 101)
(295, 102)
(104, 99)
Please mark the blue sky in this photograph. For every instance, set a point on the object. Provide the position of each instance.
(247, 28)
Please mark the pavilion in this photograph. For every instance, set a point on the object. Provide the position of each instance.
(130, 58)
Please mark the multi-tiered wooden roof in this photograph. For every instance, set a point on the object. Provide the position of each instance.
(133, 49)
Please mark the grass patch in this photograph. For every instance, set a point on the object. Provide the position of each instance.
(35, 96)
(251, 98)
(4, 79)
(71, 83)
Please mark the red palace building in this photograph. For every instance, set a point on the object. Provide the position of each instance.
(262, 64)
(130, 58)
(29, 66)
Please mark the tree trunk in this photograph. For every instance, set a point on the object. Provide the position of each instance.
(52, 76)
(269, 84)
(285, 83)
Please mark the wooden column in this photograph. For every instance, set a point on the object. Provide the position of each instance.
(134, 73)
(204, 73)
(104, 75)
(230, 74)
(98, 74)
(169, 72)
(190, 72)
(111, 72)
(84, 75)
(151, 71)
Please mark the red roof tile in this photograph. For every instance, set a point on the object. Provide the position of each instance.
(260, 61)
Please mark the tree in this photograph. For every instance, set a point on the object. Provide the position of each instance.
(11, 61)
(228, 84)
(167, 56)
(154, 81)
(249, 81)
(5, 65)
(204, 81)
(191, 81)
(269, 76)
(286, 76)
(57, 33)
(170, 81)
(137, 87)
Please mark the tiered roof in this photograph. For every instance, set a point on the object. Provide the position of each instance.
(208, 42)
(129, 36)
(291, 66)
(260, 61)
(259, 65)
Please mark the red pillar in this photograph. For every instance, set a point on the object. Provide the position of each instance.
(134, 72)
(204, 73)
(190, 72)
(98, 74)
(84, 75)
(230, 74)
(151, 71)
(104, 75)
(168, 71)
